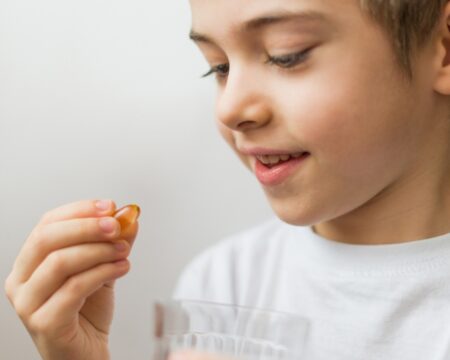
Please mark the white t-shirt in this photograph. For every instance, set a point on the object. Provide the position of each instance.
(384, 302)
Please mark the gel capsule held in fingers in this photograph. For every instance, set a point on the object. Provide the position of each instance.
(127, 215)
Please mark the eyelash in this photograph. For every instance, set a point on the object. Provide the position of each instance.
(287, 61)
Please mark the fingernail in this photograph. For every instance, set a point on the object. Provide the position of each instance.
(107, 224)
(103, 205)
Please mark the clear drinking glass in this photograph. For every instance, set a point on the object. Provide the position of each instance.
(242, 333)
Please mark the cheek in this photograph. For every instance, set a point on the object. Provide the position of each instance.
(348, 125)
(353, 136)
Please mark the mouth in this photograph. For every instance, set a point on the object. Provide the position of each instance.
(273, 170)
(271, 161)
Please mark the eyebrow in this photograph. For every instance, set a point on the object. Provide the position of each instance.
(267, 20)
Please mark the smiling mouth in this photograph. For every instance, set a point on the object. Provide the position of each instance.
(271, 161)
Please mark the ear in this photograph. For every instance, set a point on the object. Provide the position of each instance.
(442, 80)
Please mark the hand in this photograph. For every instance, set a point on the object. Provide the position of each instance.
(62, 281)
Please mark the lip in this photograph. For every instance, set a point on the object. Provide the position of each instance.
(266, 151)
(278, 173)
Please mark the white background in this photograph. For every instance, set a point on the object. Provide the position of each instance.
(103, 99)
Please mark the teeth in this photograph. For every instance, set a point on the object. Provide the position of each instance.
(275, 159)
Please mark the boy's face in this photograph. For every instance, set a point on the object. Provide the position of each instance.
(344, 101)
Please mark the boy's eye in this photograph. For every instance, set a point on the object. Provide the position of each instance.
(289, 60)
(220, 70)
(283, 61)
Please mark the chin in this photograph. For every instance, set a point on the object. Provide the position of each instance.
(293, 214)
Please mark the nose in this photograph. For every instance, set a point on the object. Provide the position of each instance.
(242, 104)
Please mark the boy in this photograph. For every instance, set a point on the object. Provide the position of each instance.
(341, 109)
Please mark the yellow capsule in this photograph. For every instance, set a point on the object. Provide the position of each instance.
(127, 215)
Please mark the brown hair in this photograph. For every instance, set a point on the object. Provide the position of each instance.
(409, 23)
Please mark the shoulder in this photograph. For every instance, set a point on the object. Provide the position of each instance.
(221, 263)
(242, 244)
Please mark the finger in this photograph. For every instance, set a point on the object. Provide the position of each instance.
(79, 209)
(54, 236)
(60, 311)
(61, 265)
(130, 236)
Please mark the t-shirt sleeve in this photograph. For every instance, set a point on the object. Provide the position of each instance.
(232, 270)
